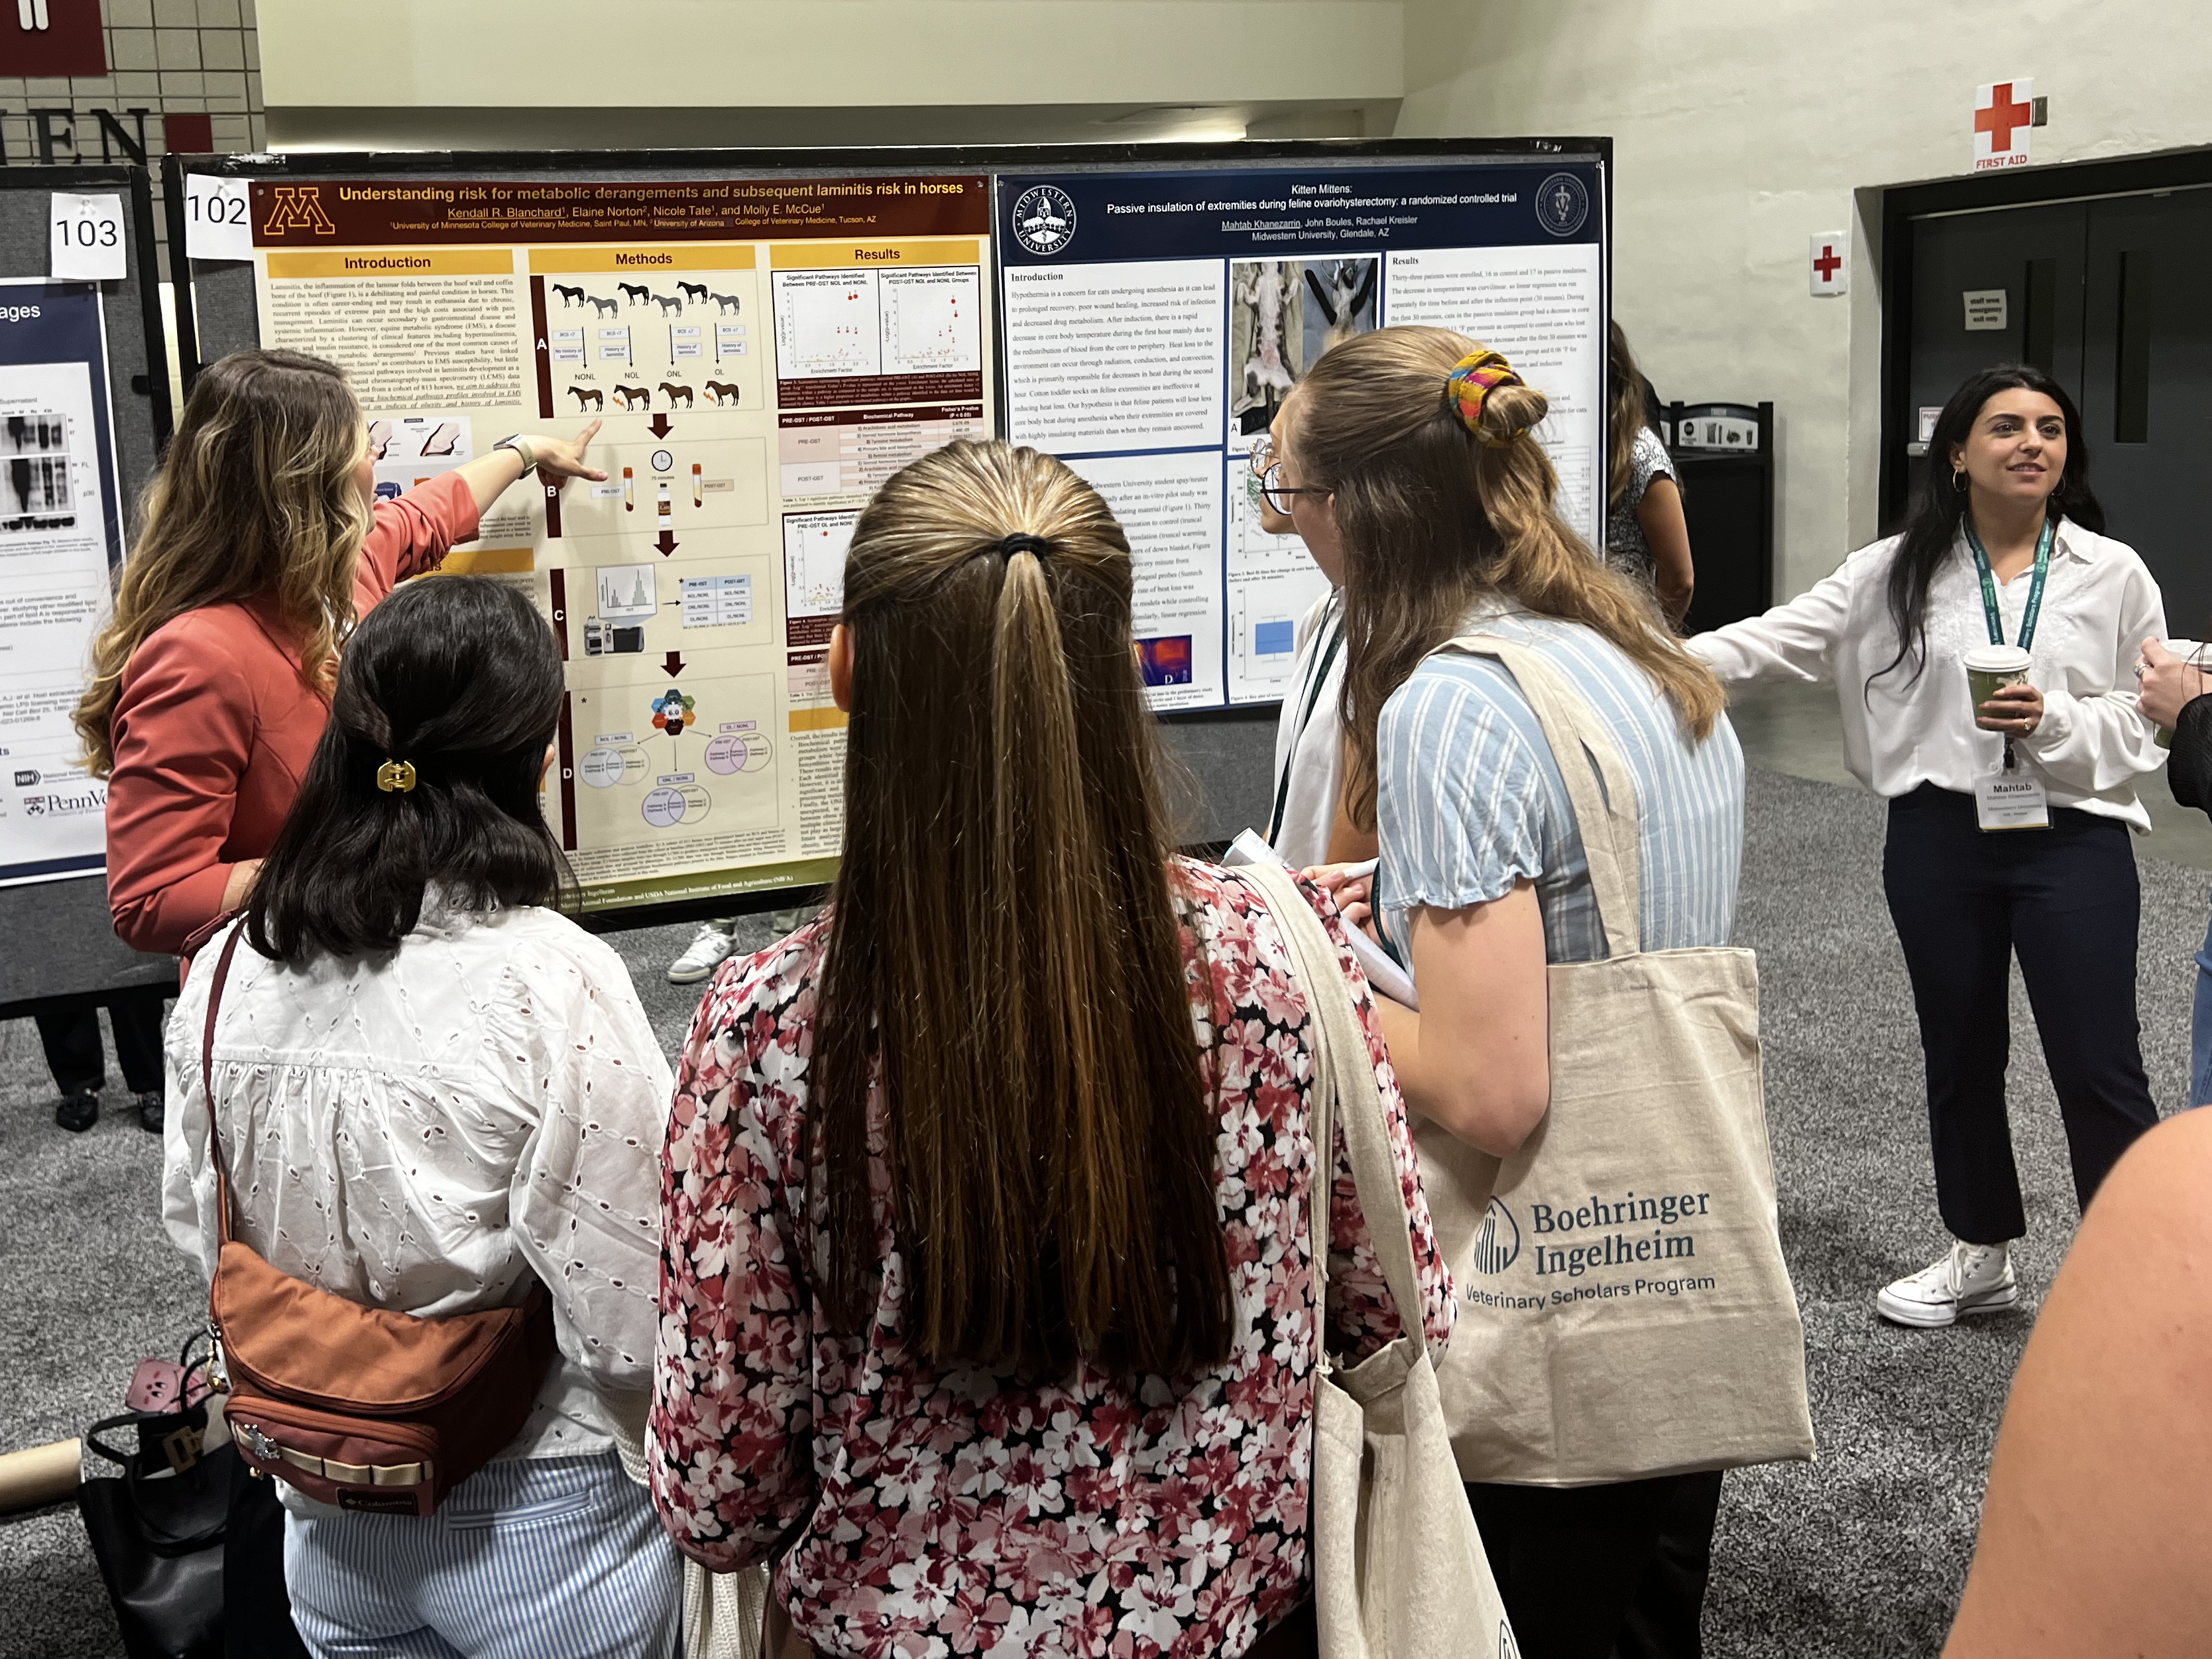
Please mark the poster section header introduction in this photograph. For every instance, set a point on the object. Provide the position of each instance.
(1156, 321)
(764, 352)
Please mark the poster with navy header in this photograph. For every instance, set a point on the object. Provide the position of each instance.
(61, 534)
(1155, 321)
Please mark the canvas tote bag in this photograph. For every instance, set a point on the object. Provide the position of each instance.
(1624, 1310)
(1399, 1569)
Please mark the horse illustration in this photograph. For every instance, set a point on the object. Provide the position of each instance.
(724, 302)
(635, 293)
(588, 397)
(568, 295)
(607, 308)
(721, 391)
(668, 304)
(633, 397)
(696, 292)
(675, 391)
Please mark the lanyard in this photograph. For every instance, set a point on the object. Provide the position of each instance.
(1994, 617)
(1316, 676)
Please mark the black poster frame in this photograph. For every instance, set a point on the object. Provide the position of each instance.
(1230, 747)
(64, 952)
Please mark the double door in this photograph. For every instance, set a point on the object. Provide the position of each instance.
(2108, 297)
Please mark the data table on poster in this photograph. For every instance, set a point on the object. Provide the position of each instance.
(1156, 321)
(762, 353)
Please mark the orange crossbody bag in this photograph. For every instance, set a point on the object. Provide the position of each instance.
(365, 1408)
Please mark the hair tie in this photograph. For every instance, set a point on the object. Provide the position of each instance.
(1022, 542)
(395, 775)
(1473, 379)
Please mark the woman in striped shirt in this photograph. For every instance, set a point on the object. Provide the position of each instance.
(1413, 443)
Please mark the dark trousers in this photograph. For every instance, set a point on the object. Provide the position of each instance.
(77, 1059)
(1603, 1572)
(2065, 900)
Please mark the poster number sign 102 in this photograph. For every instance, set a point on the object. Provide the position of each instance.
(87, 238)
(218, 224)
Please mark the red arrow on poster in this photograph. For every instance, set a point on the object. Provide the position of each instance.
(658, 426)
(2004, 116)
(673, 665)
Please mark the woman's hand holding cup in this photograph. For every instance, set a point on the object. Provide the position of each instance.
(2015, 710)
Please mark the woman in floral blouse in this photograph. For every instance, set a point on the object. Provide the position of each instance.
(987, 1297)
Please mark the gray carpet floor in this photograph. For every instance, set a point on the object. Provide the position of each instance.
(1862, 1553)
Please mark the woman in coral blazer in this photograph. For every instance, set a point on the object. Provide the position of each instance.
(262, 546)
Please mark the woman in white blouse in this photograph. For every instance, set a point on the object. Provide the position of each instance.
(2008, 820)
(432, 1090)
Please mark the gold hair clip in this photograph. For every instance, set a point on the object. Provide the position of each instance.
(395, 775)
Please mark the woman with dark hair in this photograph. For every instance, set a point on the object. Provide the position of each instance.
(987, 1307)
(1646, 536)
(433, 1088)
(262, 542)
(2008, 817)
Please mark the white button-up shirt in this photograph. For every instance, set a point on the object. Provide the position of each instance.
(1310, 738)
(429, 1131)
(2099, 604)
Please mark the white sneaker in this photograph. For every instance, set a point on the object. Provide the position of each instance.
(701, 956)
(1971, 1279)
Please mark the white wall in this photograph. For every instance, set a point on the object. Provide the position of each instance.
(708, 72)
(1743, 127)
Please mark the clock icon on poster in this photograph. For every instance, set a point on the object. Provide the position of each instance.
(663, 461)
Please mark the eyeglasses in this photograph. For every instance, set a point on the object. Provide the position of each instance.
(1276, 493)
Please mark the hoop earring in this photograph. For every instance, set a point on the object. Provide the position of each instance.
(1959, 480)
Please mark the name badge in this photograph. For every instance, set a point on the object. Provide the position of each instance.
(2011, 798)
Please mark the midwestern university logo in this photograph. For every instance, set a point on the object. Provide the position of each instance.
(297, 207)
(1498, 1241)
(1044, 219)
(1561, 204)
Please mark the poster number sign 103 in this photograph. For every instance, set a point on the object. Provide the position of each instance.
(87, 238)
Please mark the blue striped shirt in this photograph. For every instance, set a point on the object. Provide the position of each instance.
(1471, 799)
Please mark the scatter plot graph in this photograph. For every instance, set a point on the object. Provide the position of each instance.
(827, 324)
(931, 320)
(814, 562)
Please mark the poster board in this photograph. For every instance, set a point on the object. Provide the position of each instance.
(880, 294)
(84, 407)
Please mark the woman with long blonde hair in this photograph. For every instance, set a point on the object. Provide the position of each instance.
(1413, 446)
(987, 1301)
(262, 545)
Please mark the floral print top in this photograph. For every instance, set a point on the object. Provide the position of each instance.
(923, 1510)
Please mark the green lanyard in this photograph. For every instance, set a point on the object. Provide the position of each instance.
(1994, 617)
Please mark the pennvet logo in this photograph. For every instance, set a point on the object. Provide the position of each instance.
(297, 207)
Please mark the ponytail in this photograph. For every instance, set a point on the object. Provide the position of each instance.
(1005, 966)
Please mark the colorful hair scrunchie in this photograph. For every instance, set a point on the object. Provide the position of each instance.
(1473, 379)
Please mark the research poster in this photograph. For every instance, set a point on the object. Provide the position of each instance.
(61, 532)
(763, 353)
(1155, 321)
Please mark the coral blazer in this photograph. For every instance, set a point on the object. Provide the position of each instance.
(214, 726)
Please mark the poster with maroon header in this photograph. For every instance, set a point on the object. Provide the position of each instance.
(760, 354)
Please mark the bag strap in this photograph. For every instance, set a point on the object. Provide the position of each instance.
(1344, 1088)
(207, 1083)
(1608, 820)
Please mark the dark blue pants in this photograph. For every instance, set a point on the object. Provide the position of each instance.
(2065, 900)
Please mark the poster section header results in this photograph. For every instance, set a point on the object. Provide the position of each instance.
(760, 354)
(1156, 321)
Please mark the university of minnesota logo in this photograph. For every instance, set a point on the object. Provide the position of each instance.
(1498, 1241)
(297, 207)
(1561, 204)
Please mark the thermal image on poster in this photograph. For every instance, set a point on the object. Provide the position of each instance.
(1155, 321)
(763, 353)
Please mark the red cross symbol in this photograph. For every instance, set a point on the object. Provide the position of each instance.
(1828, 264)
(2001, 117)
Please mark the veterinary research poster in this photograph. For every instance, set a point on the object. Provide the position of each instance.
(61, 532)
(763, 353)
(1155, 321)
